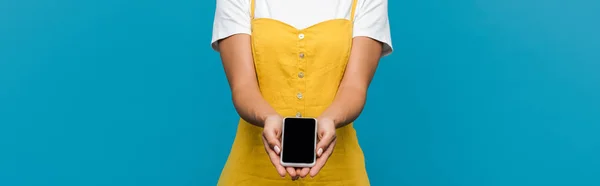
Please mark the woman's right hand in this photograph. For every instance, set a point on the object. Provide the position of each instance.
(272, 140)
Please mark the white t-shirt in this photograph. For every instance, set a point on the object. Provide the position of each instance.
(371, 16)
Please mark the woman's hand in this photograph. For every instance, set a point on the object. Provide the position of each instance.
(327, 139)
(272, 140)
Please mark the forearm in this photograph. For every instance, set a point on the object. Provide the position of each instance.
(251, 106)
(236, 55)
(346, 107)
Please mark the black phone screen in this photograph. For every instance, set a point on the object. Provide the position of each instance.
(299, 140)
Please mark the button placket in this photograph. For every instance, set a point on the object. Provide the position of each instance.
(300, 79)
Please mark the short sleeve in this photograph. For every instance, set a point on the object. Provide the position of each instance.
(231, 17)
(371, 20)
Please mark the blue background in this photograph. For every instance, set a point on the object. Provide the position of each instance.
(477, 93)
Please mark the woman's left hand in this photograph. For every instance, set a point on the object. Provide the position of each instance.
(327, 138)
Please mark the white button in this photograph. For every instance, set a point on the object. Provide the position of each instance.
(299, 95)
(301, 36)
(301, 55)
(298, 114)
(301, 74)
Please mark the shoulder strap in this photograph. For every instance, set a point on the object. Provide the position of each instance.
(252, 9)
(354, 2)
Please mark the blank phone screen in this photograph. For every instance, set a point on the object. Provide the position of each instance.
(298, 140)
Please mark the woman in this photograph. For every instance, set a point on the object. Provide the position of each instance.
(309, 58)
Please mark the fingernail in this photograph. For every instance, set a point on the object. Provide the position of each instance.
(276, 149)
(320, 151)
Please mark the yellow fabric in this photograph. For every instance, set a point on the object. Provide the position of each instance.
(288, 64)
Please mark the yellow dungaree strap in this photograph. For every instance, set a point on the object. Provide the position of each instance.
(354, 2)
(252, 10)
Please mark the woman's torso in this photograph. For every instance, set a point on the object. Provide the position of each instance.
(299, 65)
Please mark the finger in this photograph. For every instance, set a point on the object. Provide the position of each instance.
(322, 160)
(292, 172)
(298, 172)
(272, 138)
(324, 142)
(274, 159)
(295, 177)
(303, 172)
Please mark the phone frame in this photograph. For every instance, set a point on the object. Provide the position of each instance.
(282, 147)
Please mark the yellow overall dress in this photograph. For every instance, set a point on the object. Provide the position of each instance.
(298, 71)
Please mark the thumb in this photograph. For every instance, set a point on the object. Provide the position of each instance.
(272, 137)
(326, 138)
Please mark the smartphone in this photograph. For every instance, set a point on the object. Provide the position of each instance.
(298, 142)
